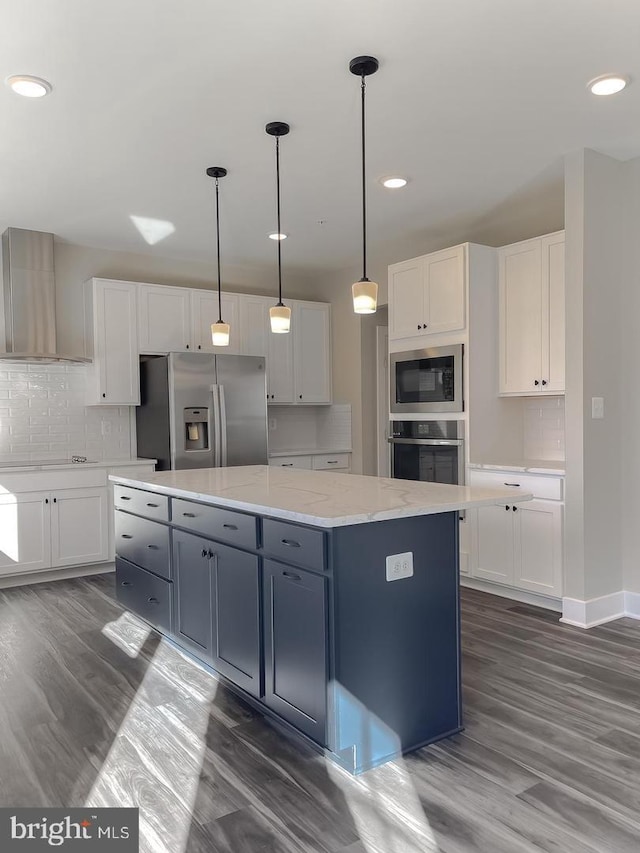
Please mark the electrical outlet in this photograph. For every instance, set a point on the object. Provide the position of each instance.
(106, 427)
(273, 423)
(400, 566)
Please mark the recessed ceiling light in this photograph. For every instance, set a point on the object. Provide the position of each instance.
(394, 182)
(608, 84)
(278, 236)
(28, 86)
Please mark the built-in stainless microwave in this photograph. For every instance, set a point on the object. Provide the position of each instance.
(427, 380)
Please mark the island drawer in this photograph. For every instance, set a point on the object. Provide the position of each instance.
(144, 594)
(143, 542)
(236, 528)
(540, 485)
(148, 504)
(302, 546)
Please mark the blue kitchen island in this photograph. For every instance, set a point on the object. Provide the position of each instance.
(328, 601)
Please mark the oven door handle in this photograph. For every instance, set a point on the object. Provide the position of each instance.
(433, 442)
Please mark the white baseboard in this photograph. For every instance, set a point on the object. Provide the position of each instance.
(522, 595)
(597, 611)
(55, 575)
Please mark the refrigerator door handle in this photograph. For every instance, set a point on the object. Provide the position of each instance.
(216, 425)
(222, 422)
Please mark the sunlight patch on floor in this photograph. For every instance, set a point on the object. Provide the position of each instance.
(128, 633)
(156, 757)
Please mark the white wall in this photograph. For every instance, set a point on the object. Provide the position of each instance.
(598, 196)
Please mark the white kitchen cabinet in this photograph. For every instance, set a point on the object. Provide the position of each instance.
(111, 333)
(204, 312)
(164, 319)
(25, 540)
(253, 313)
(531, 305)
(428, 295)
(280, 371)
(311, 329)
(519, 544)
(538, 547)
(494, 544)
(79, 527)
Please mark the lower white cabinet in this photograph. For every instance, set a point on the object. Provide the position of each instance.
(25, 525)
(519, 544)
(43, 530)
(79, 527)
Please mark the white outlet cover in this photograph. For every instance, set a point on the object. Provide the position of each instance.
(400, 566)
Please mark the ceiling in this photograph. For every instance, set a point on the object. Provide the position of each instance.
(474, 101)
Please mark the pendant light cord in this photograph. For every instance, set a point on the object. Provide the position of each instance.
(364, 192)
(279, 240)
(218, 241)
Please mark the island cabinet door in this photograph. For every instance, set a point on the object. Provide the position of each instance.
(193, 593)
(236, 616)
(295, 631)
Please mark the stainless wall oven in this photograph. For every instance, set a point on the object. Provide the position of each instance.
(430, 451)
(427, 380)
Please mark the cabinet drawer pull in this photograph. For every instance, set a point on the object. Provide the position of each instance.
(230, 526)
(153, 600)
(153, 547)
(292, 576)
(189, 514)
(286, 464)
(290, 543)
(513, 485)
(332, 461)
(126, 583)
(127, 536)
(153, 506)
(124, 498)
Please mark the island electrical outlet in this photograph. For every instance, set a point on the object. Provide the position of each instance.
(400, 566)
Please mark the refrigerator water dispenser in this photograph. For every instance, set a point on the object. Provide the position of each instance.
(196, 429)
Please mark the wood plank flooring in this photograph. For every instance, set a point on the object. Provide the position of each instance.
(95, 710)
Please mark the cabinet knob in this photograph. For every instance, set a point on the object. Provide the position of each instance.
(204, 552)
(186, 346)
(210, 554)
(419, 326)
(104, 395)
(535, 382)
(544, 381)
(300, 395)
(46, 500)
(507, 508)
(514, 508)
(199, 347)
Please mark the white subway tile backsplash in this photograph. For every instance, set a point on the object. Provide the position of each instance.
(43, 416)
(544, 429)
(310, 427)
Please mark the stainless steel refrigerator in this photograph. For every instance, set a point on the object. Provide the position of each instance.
(202, 411)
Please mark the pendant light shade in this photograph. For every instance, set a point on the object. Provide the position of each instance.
(365, 292)
(220, 331)
(279, 314)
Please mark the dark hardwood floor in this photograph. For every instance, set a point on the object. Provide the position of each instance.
(95, 710)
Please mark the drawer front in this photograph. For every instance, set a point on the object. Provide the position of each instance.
(547, 488)
(236, 528)
(143, 542)
(291, 462)
(53, 481)
(301, 546)
(331, 461)
(148, 504)
(144, 594)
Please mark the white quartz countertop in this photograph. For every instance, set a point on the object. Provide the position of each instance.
(316, 497)
(312, 452)
(529, 466)
(63, 464)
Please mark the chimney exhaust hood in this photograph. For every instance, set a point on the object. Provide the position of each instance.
(30, 298)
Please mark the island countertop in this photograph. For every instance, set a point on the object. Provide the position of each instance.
(317, 498)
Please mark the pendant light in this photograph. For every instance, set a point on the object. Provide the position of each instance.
(219, 329)
(365, 292)
(280, 314)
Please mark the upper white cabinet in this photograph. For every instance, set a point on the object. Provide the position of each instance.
(311, 327)
(111, 333)
(254, 324)
(428, 295)
(164, 318)
(531, 297)
(204, 312)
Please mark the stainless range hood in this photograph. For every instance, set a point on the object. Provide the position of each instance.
(30, 298)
